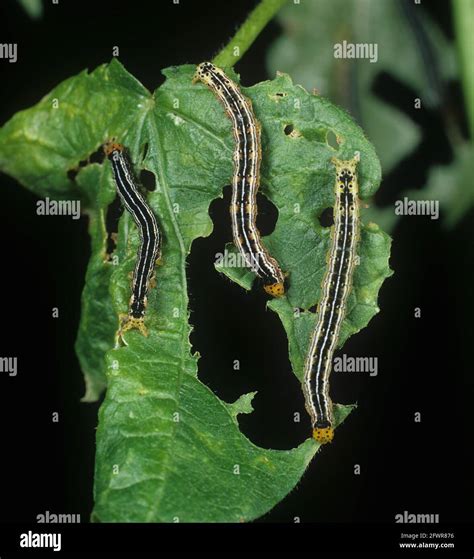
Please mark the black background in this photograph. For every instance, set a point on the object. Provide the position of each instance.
(424, 364)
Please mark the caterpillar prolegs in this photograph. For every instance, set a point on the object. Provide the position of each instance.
(335, 289)
(150, 238)
(246, 178)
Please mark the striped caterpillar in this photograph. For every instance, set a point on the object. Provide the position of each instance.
(246, 178)
(335, 289)
(150, 238)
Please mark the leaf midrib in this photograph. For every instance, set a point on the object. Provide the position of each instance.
(165, 193)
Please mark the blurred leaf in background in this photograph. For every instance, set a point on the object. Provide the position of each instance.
(34, 8)
(410, 48)
(451, 184)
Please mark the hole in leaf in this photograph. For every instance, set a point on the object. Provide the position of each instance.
(72, 174)
(267, 215)
(331, 139)
(114, 212)
(313, 309)
(148, 181)
(145, 151)
(235, 360)
(288, 129)
(326, 219)
(97, 157)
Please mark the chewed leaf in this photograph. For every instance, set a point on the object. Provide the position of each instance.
(167, 447)
(348, 77)
(233, 265)
(242, 405)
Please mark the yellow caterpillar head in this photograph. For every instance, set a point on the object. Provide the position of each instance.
(130, 323)
(346, 173)
(111, 146)
(323, 435)
(204, 71)
(275, 289)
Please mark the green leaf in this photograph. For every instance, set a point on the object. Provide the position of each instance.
(98, 319)
(39, 146)
(361, 307)
(167, 447)
(306, 51)
(195, 468)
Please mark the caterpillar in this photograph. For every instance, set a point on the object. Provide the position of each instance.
(246, 177)
(150, 238)
(335, 289)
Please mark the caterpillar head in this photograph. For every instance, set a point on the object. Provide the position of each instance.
(204, 72)
(346, 173)
(276, 289)
(110, 146)
(323, 435)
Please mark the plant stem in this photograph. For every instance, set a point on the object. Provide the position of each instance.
(247, 33)
(463, 12)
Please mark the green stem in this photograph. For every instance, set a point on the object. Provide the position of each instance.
(463, 12)
(247, 33)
